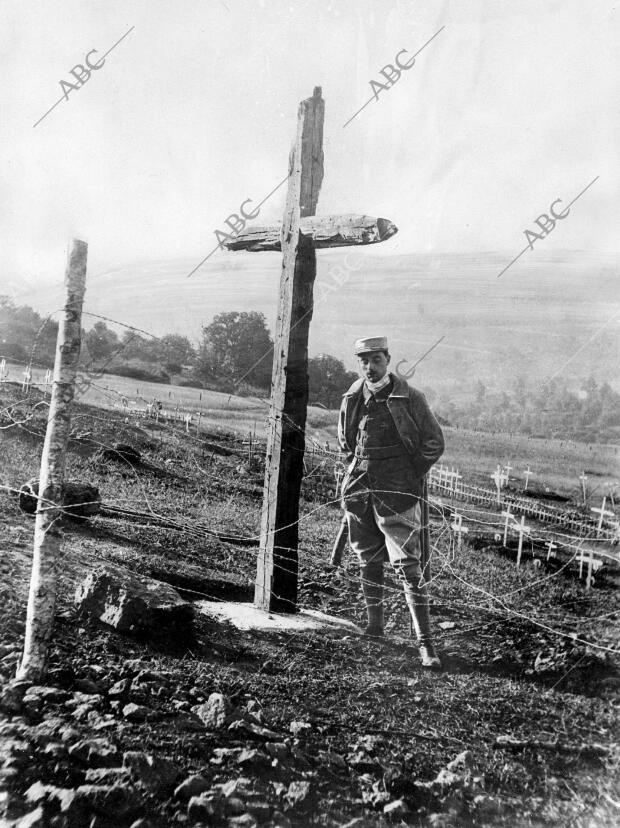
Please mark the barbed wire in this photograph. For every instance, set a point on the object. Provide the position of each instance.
(446, 558)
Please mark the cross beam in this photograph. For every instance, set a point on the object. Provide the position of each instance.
(298, 237)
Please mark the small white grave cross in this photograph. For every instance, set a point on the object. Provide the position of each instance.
(583, 477)
(611, 489)
(592, 566)
(551, 549)
(48, 382)
(508, 515)
(3, 372)
(459, 530)
(527, 474)
(456, 476)
(602, 514)
(27, 379)
(522, 529)
(187, 420)
(499, 477)
(507, 471)
(441, 472)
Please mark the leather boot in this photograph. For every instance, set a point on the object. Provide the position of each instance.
(372, 588)
(416, 596)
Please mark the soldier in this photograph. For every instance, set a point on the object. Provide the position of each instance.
(391, 439)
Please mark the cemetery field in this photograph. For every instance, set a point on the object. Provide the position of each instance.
(321, 728)
(555, 463)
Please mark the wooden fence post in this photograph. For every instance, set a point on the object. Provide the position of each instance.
(42, 597)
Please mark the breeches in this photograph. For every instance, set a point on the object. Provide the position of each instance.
(375, 537)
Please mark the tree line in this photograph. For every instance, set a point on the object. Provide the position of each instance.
(235, 353)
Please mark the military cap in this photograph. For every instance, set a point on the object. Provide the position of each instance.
(371, 343)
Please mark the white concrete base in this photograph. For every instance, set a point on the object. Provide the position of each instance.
(248, 617)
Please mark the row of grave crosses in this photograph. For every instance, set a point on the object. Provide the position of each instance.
(448, 477)
(27, 374)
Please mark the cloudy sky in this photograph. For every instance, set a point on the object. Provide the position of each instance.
(510, 107)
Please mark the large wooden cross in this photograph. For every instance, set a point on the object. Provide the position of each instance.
(299, 236)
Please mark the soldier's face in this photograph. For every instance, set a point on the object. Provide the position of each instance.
(373, 365)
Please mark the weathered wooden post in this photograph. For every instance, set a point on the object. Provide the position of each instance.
(522, 529)
(299, 236)
(584, 479)
(509, 516)
(42, 597)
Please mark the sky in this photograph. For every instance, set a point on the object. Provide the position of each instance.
(508, 108)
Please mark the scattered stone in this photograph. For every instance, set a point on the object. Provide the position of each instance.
(446, 625)
(488, 806)
(68, 734)
(12, 696)
(332, 759)
(213, 712)
(298, 792)
(86, 685)
(55, 750)
(107, 776)
(203, 808)
(255, 729)
(279, 750)
(79, 499)
(189, 723)
(95, 752)
(299, 727)
(35, 819)
(110, 800)
(259, 810)
(48, 695)
(39, 793)
(192, 786)
(463, 762)
(242, 821)
(134, 665)
(153, 772)
(130, 604)
(234, 805)
(121, 453)
(222, 754)
(137, 712)
(397, 808)
(446, 779)
(149, 676)
(254, 759)
(119, 689)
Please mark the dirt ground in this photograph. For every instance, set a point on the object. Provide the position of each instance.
(321, 727)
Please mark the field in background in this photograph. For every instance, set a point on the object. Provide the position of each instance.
(556, 463)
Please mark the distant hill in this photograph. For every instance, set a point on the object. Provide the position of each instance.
(549, 312)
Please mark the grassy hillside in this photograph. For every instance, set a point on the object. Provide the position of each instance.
(528, 690)
(555, 463)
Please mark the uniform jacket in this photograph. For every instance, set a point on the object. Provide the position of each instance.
(418, 429)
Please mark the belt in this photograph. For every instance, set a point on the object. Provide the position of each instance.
(379, 452)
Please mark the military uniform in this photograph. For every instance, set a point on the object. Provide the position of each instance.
(391, 439)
